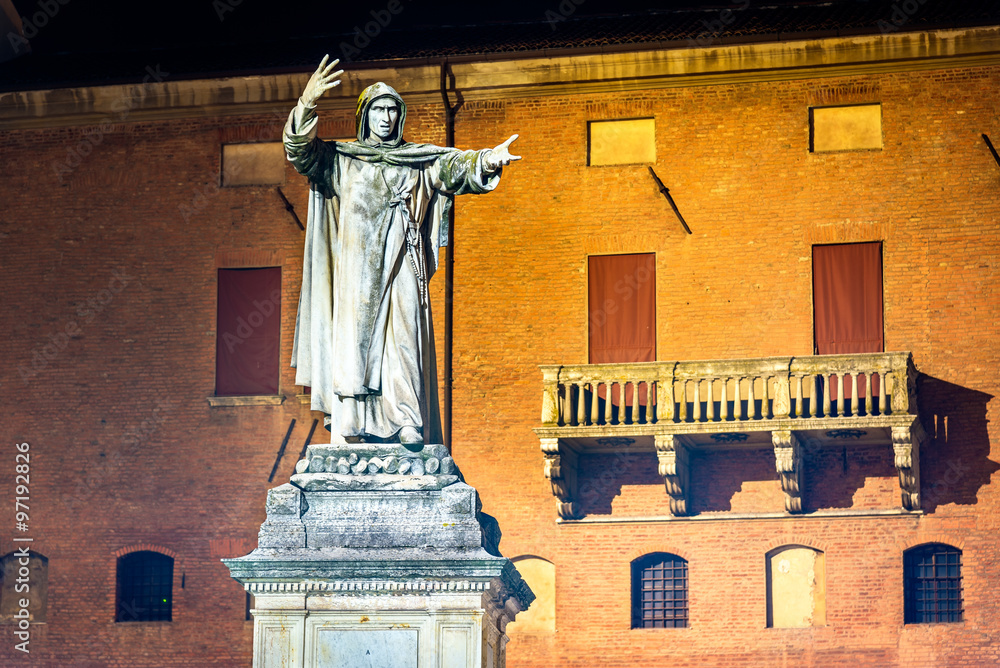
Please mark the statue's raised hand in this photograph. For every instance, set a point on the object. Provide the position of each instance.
(500, 156)
(322, 80)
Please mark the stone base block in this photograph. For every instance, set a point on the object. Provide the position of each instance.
(379, 567)
(446, 629)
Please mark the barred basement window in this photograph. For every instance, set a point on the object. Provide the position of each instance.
(145, 587)
(659, 591)
(932, 577)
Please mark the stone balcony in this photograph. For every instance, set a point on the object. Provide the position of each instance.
(790, 404)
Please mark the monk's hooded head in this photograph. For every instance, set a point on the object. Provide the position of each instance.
(380, 116)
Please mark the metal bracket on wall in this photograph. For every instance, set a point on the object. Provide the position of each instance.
(290, 208)
(305, 446)
(281, 451)
(992, 150)
(666, 193)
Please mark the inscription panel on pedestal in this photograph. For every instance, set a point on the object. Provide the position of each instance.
(337, 648)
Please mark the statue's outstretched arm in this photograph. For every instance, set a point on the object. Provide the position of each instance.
(309, 154)
(322, 80)
(500, 156)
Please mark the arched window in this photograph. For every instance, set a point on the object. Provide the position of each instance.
(659, 591)
(145, 587)
(932, 578)
(540, 617)
(796, 587)
(25, 577)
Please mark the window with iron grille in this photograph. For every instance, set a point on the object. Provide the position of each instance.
(659, 591)
(145, 582)
(933, 584)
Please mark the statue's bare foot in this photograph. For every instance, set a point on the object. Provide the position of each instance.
(410, 436)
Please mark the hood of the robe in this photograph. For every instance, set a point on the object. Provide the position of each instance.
(365, 101)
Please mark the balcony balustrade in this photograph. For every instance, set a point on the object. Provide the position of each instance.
(675, 406)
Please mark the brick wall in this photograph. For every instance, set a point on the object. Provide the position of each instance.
(126, 450)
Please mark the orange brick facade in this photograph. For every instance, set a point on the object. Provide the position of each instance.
(120, 254)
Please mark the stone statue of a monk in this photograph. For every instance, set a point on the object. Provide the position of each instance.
(378, 214)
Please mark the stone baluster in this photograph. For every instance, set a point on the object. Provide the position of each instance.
(811, 381)
(635, 402)
(697, 400)
(682, 403)
(607, 402)
(883, 395)
(724, 401)
(581, 418)
(868, 393)
(711, 400)
(621, 401)
(855, 385)
(826, 395)
(799, 397)
(841, 399)
(593, 412)
(751, 411)
(737, 397)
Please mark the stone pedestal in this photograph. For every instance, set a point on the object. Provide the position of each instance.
(374, 567)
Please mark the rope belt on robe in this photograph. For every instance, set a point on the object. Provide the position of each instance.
(414, 243)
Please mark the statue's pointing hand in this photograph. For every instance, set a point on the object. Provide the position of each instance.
(322, 80)
(500, 156)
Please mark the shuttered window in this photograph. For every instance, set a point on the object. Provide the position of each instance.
(622, 308)
(847, 298)
(248, 330)
(622, 312)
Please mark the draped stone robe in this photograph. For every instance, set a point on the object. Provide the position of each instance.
(378, 213)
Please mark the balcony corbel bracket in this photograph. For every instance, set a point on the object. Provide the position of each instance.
(560, 469)
(672, 456)
(788, 460)
(906, 448)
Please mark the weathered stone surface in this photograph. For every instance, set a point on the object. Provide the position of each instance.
(369, 459)
(314, 482)
(346, 648)
(283, 526)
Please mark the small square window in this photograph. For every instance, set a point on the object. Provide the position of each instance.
(260, 164)
(855, 127)
(623, 142)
